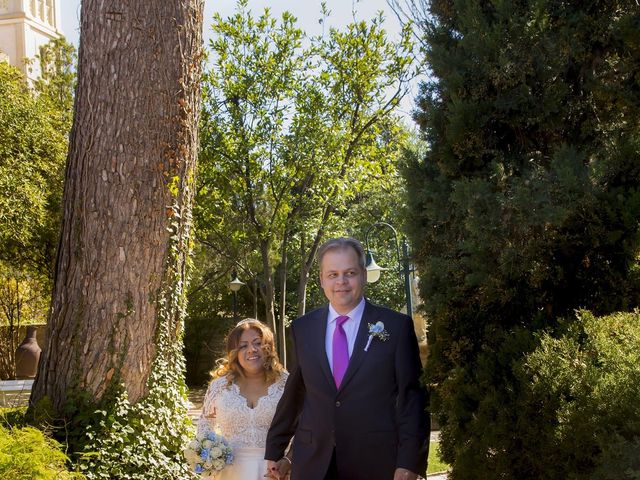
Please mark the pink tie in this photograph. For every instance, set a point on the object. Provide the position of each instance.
(340, 350)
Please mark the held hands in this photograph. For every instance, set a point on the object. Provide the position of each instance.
(278, 470)
(404, 474)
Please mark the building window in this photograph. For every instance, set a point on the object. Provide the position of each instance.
(32, 5)
(51, 18)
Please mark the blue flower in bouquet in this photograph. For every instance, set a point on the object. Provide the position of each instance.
(208, 454)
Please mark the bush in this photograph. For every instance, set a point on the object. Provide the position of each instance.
(584, 386)
(28, 454)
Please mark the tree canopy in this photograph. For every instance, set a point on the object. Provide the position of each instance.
(294, 131)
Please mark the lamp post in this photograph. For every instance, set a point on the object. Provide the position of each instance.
(374, 270)
(234, 285)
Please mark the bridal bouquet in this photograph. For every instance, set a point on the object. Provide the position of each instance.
(208, 453)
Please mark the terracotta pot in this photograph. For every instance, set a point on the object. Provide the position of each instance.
(27, 355)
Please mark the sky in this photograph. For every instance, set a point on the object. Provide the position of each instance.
(306, 11)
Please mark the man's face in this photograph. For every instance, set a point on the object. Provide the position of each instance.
(342, 279)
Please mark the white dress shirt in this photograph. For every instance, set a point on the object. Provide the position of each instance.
(350, 329)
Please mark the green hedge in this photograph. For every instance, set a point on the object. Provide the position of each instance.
(581, 394)
(27, 453)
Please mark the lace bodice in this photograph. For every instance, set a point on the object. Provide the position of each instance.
(240, 424)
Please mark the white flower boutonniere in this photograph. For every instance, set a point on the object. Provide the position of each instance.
(376, 331)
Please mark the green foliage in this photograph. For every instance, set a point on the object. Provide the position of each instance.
(29, 454)
(295, 131)
(13, 417)
(525, 205)
(115, 439)
(35, 125)
(435, 465)
(124, 441)
(581, 389)
(56, 82)
(32, 152)
(24, 300)
(206, 326)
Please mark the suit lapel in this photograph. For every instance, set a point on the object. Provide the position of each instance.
(319, 335)
(357, 357)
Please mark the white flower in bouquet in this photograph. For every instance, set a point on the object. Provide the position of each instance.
(208, 454)
(206, 443)
(193, 444)
(216, 452)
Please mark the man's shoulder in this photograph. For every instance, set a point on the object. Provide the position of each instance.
(315, 313)
(386, 312)
(310, 317)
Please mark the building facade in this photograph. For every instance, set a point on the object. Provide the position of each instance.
(26, 25)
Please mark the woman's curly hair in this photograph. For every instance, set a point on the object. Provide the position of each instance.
(229, 366)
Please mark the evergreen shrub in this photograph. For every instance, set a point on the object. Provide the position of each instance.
(581, 390)
(29, 454)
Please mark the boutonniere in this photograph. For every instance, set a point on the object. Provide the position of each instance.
(376, 330)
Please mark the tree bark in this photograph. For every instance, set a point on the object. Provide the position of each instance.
(120, 269)
(282, 344)
(268, 294)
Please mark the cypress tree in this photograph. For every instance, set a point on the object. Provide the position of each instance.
(525, 206)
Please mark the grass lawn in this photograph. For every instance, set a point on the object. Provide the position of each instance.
(435, 464)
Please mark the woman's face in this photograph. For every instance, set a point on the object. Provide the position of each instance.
(250, 353)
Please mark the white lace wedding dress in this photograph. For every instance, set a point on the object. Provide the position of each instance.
(244, 427)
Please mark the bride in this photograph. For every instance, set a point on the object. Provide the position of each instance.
(242, 398)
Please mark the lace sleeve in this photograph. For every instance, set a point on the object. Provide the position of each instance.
(205, 421)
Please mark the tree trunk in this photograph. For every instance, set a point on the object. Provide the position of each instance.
(310, 256)
(282, 344)
(303, 279)
(120, 271)
(268, 293)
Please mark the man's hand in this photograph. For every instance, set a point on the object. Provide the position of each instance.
(404, 474)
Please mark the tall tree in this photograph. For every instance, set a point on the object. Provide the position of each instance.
(32, 152)
(291, 133)
(525, 206)
(112, 364)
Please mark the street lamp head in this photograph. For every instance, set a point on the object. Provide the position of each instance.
(236, 283)
(373, 269)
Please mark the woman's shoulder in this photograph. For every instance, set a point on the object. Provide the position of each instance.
(217, 385)
(282, 379)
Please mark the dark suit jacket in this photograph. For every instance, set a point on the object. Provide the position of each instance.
(376, 421)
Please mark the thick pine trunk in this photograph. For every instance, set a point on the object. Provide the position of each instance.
(120, 270)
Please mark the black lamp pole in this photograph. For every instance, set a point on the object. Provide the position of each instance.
(234, 285)
(373, 270)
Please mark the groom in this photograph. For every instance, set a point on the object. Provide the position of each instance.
(353, 402)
